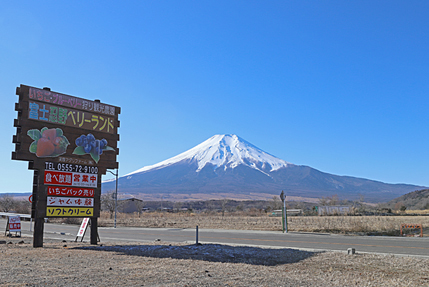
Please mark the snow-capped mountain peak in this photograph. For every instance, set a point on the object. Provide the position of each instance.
(226, 165)
(223, 151)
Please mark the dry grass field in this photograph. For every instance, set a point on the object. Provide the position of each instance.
(388, 225)
(164, 264)
(158, 263)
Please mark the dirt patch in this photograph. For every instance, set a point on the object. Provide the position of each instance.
(164, 264)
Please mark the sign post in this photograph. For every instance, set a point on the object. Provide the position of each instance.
(69, 142)
(284, 211)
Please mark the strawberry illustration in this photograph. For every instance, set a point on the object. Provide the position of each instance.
(48, 142)
(44, 147)
(60, 145)
(50, 134)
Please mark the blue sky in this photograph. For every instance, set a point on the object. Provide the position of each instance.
(341, 86)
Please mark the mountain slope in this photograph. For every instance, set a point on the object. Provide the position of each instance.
(231, 165)
(415, 200)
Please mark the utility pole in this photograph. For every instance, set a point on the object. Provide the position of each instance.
(116, 193)
(284, 211)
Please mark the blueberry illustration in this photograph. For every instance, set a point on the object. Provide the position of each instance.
(97, 147)
(90, 138)
(94, 144)
(79, 141)
(84, 140)
(103, 143)
(87, 148)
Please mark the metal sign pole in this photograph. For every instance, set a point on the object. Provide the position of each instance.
(116, 195)
(285, 217)
(282, 197)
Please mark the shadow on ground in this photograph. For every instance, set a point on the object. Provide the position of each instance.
(211, 253)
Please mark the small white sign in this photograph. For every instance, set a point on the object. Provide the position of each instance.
(83, 227)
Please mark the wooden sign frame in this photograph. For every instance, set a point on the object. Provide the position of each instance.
(61, 135)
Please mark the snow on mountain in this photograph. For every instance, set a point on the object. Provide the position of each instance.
(227, 164)
(223, 151)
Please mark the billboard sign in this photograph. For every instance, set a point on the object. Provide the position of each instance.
(65, 129)
(70, 142)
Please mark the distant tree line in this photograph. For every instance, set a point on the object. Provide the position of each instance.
(10, 204)
(227, 205)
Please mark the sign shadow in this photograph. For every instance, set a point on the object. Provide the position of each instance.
(211, 253)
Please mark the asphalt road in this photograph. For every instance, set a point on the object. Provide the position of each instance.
(403, 246)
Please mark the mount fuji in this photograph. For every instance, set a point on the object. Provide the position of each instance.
(228, 166)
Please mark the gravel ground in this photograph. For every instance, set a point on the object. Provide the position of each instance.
(164, 264)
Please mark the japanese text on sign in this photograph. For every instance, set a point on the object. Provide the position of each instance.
(70, 178)
(75, 160)
(83, 226)
(69, 211)
(70, 117)
(70, 201)
(70, 191)
(70, 102)
(14, 224)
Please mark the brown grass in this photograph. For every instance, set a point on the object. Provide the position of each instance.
(423, 211)
(180, 264)
(260, 221)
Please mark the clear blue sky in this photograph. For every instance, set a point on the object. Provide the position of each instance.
(341, 86)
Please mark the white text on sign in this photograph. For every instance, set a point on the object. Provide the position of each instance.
(70, 178)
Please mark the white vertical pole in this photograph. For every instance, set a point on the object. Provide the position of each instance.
(116, 195)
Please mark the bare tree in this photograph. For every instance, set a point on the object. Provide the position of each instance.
(358, 204)
(23, 207)
(224, 203)
(139, 205)
(323, 201)
(211, 205)
(177, 206)
(329, 200)
(7, 203)
(334, 200)
(275, 203)
(400, 206)
(108, 202)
